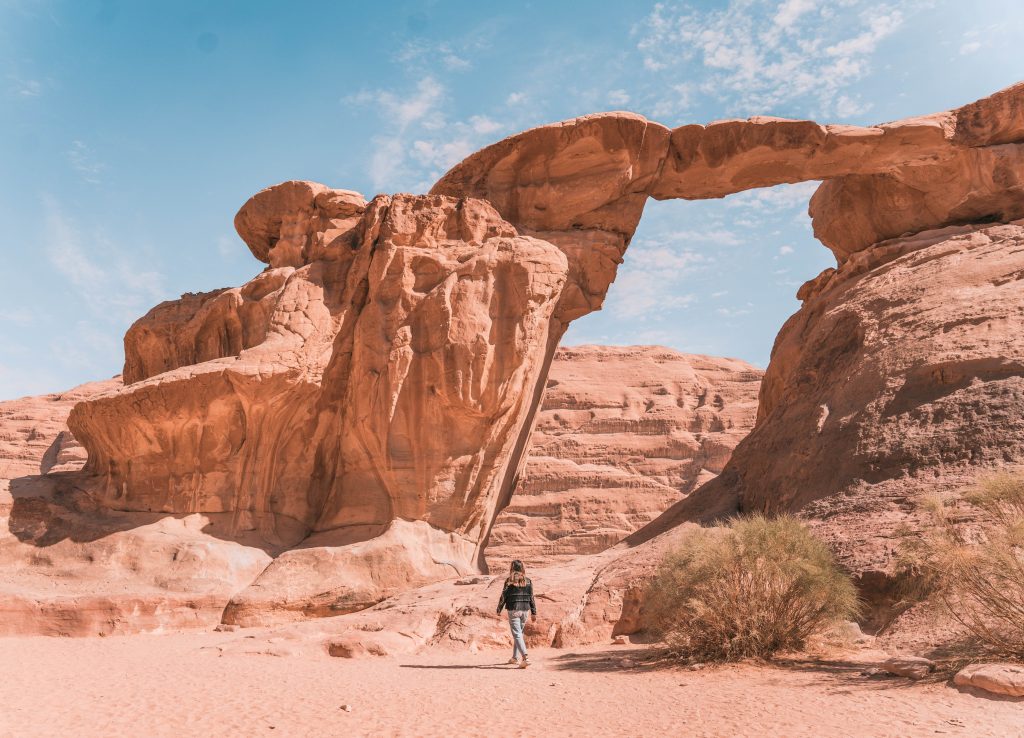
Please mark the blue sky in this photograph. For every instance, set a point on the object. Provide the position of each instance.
(131, 132)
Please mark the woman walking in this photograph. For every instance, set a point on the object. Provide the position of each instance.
(517, 597)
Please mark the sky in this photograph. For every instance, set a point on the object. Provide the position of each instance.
(131, 133)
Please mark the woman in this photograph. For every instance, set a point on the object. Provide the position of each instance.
(517, 596)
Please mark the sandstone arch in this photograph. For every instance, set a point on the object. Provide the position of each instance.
(371, 394)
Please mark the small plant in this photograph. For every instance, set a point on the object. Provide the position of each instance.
(978, 571)
(752, 588)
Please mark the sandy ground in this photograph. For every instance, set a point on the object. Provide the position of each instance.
(201, 684)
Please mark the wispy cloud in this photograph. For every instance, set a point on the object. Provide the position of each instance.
(17, 316)
(734, 312)
(420, 141)
(84, 161)
(775, 199)
(25, 87)
(618, 97)
(113, 284)
(416, 53)
(761, 55)
(650, 283)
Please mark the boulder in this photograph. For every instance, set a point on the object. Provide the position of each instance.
(912, 667)
(1006, 679)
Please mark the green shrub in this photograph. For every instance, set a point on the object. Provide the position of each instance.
(752, 588)
(977, 571)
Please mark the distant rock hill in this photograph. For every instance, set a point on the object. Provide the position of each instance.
(622, 434)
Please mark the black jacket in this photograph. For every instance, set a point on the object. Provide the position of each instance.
(518, 598)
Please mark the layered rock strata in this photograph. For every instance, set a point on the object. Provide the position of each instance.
(622, 434)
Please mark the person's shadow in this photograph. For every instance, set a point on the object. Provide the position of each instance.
(459, 666)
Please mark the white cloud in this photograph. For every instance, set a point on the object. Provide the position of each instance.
(970, 47)
(483, 125)
(732, 312)
(419, 142)
(83, 161)
(416, 55)
(773, 199)
(25, 87)
(230, 247)
(618, 97)
(785, 250)
(403, 110)
(760, 55)
(17, 316)
(789, 11)
(678, 101)
(515, 98)
(113, 284)
(647, 294)
(651, 282)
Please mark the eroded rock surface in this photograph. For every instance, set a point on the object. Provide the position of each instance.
(73, 568)
(900, 378)
(623, 433)
(395, 381)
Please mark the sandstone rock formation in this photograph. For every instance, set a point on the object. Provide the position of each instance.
(900, 378)
(71, 567)
(76, 568)
(622, 434)
(367, 401)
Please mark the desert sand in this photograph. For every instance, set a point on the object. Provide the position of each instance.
(183, 684)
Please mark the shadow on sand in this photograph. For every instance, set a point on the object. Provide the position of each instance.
(502, 665)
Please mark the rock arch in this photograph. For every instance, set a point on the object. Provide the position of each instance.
(372, 392)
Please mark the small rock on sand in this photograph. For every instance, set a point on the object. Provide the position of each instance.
(912, 667)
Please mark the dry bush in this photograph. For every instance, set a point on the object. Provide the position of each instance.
(978, 572)
(752, 588)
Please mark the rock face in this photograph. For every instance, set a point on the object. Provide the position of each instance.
(396, 380)
(901, 377)
(622, 434)
(371, 394)
(72, 568)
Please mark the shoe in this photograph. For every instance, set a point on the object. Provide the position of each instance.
(524, 663)
(512, 660)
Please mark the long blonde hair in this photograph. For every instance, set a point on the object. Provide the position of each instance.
(516, 574)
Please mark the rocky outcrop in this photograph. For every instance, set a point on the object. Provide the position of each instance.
(900, 378)
(73, 568)
(371, 395)
(395, 382)
(622, 434)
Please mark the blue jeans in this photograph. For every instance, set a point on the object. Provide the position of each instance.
(517, 621)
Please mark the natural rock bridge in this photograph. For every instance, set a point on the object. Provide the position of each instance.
(368, 398)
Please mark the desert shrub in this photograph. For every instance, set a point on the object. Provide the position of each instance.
(752, 588)
(977, 571)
